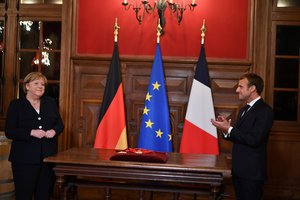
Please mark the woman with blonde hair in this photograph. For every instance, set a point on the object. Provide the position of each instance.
(33, 123)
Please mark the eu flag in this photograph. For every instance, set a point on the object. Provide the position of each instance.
(155, 130)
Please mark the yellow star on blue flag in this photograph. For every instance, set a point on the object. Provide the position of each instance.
(155, 130)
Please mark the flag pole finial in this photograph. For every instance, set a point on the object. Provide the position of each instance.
(116, 30)
(158, 31)
(203, 30)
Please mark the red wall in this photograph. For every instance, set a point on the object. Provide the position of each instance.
(226, 36)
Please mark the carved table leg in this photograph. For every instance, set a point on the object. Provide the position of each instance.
(215, 192)
(142, 195)
(107, 193)
(176, 195)
(195, 196)
(60, 184)
(73, 192)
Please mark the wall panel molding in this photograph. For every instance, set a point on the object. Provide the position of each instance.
(89, 79)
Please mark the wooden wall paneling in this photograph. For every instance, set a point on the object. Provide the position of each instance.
(284, 143)
(88, 88)
(224, 78)
(178, 81)
(179, 78)
(88, 118)
(283, 163)
(261, 42)
(66, 79)
(89, 79)
(137, 77)
(40, 10)
(9, 79)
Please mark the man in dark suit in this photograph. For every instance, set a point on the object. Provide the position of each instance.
(249, 137)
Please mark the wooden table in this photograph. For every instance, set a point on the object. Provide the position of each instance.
(182, 173)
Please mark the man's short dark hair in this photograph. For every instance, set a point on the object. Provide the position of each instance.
(255, 80)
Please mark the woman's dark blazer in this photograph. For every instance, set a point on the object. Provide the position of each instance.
(249, 137)
(21, 119)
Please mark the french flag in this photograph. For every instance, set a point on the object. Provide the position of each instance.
(199, 135)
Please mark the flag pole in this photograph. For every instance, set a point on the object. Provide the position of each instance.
(203, 30)
(112, 106)
(116, 30)
(199, 136)
(158, 31)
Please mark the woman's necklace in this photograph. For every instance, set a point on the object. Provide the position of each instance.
(34, 103)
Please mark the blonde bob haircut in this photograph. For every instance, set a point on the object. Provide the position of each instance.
(32, 76)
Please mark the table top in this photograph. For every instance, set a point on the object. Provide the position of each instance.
(176, 161)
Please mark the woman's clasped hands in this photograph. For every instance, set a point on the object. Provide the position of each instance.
(39, 133)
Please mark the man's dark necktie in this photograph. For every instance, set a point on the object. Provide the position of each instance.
(245, 109)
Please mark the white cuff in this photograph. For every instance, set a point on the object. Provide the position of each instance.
(227, 135)
(229, 130)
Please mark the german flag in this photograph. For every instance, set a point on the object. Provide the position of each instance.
(111, 131)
